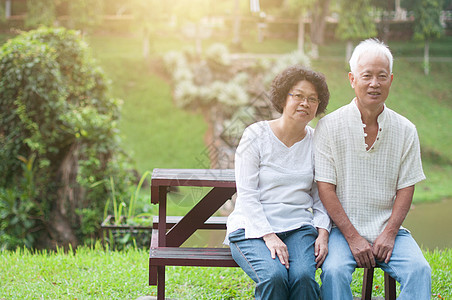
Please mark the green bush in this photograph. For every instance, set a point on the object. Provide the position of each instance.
(56, 108)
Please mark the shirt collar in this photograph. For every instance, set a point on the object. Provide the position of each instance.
(381, 117)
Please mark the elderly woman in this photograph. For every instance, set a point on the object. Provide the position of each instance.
(278, 231)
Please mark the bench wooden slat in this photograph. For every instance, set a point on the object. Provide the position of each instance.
(202, 257)
(193, 177)
(211, 223)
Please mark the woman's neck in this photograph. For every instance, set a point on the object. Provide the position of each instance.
(288, 132)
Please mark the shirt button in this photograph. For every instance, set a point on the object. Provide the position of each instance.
(380, 129)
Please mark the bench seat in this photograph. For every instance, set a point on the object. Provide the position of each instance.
(201, 257)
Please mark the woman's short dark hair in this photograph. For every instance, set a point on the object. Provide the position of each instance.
(284, 81)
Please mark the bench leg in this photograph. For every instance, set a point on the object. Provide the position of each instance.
(390, 287)
(152, 275)
(161, 283)
(368, 278)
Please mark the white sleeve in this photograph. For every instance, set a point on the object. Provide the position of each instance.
(247, 167)
(324, 165)
(411, 166)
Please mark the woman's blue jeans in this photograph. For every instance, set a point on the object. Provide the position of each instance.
(407, 265)
(273, 280)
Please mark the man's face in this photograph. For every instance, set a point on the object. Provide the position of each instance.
(371, 80)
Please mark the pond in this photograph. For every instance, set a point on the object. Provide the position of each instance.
(429, 223)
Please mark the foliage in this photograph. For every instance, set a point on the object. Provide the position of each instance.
(356, 21)
(20, 215)
(213, 80)
(296, 7)
(90, 272)
(56, 107)
(427, 15)
(40, 12)
(2, 13)
(84, 14)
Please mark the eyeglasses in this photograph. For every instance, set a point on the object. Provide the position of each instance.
(302, 98)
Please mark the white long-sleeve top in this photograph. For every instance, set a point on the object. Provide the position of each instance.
(275, 184)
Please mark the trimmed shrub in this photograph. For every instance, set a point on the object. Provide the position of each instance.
(56, 109)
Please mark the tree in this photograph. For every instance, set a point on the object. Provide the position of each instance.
(40, 12)
(302, 9)
(149, 15)
(58, 135)
(191, 14)
(319, 12)
(84, 14)
(355, 23)
(7, 9)
(427, 25)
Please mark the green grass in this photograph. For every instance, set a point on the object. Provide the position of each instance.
(93, 273)
(155, 133)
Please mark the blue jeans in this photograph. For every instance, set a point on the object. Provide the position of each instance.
(407, 265)
(273, 280)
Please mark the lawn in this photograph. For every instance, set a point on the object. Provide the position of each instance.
(94, 273)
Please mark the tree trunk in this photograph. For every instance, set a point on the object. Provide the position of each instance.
(146, 44)
(8, 8)
(318, 24)
(69, 194)
(236, 38)
(348, 51)
(301, 33)
(426, 57)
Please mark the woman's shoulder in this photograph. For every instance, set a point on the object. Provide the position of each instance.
(256, 129)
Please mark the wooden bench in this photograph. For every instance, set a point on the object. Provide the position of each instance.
(170, 232)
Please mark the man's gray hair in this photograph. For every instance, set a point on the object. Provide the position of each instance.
(370, 47)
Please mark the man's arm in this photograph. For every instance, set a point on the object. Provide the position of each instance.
(383, 245)
(359, 246)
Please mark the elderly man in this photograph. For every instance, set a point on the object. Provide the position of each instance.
(367, 161)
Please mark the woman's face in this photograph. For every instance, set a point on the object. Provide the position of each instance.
(302, 102)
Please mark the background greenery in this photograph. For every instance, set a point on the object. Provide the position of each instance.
(159, 135)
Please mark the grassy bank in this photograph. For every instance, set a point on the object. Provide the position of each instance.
(93, 273)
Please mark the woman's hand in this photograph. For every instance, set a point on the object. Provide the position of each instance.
(321, 247)
(277, 248)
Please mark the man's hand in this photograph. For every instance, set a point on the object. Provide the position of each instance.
(383, 245)
(277, 248)
(362, 252)
(321, 247)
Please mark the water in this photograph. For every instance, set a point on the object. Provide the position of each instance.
(430, 224)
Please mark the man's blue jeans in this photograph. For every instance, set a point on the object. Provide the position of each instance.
(407, 265)
(273, 280)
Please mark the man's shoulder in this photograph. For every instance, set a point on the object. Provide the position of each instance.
(337, 115)
(400, 120)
